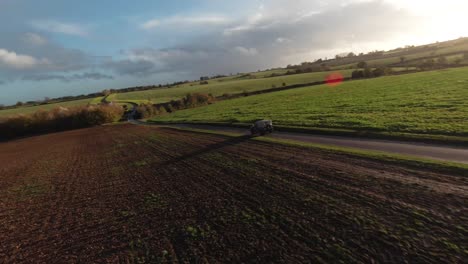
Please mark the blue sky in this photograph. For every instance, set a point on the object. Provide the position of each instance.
(62, 47)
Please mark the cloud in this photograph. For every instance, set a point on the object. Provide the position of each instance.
(34, 39)
(93, 76)
(138, 67)
(181, 20)
(275, 34)
(68, 78)
(60, 27)
(30, 56)
(281, 40)
(246, 51)
(44, 77)
(13, 60)
(151, 24)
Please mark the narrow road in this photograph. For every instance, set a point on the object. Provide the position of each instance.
(422, 150)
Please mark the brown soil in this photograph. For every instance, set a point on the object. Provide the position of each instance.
(139, 194)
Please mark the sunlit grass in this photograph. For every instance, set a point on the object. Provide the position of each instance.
(221, 86)
(430, 103)
(46, 107)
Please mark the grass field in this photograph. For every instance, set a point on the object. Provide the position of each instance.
(260, 74)
(218, 88)
(445, 48)
(428, 103)
(32, 109)
(135, 194)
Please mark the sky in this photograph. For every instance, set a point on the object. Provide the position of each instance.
(53, 48)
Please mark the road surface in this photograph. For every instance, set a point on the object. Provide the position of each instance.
(422, 150)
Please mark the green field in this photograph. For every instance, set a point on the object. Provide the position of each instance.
(446, 48)
(32, 109)
(422, 103)
(218, 88)
(252, 75)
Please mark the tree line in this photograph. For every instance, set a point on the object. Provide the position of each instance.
(59, 119)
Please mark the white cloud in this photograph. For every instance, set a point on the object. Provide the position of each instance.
(250, 23)
(181, 20)
(18, 61)
(35, 39)
(246, 51)
(283, 40)
(275, 34)
(60, 27)
(215, 20)
(151, 24)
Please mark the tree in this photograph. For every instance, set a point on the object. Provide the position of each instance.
(351, 54)
(106, 92)
(362, 64)
(381, 71)
(2, 107)
(428, 64)
(402, 59)
(19, 103)
(357, 74)
(442, 60)
(368, 73)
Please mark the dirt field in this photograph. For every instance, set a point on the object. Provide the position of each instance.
(138, 194)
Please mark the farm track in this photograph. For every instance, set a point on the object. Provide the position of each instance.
(144, 194)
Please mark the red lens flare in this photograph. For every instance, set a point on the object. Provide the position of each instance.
(334, 79)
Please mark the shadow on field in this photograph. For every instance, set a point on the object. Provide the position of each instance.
(209, 148)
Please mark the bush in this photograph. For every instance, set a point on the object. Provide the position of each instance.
(368, 73)
(197, 99)
(59, 119)
(189, 101)
(162, 110)
(169, 108)
(146, 111)
(177, 104)
(362, 65)
(357, 74)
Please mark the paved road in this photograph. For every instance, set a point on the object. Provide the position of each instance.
(423, 150)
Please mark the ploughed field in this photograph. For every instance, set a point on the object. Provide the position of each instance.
(141, 194)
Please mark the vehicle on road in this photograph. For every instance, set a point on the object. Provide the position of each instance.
(261, 127)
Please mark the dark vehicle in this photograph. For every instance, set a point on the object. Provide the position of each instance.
(261, 127)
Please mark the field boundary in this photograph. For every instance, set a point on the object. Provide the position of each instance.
(454, 168)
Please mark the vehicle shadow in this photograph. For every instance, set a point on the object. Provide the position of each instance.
(207, 149)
